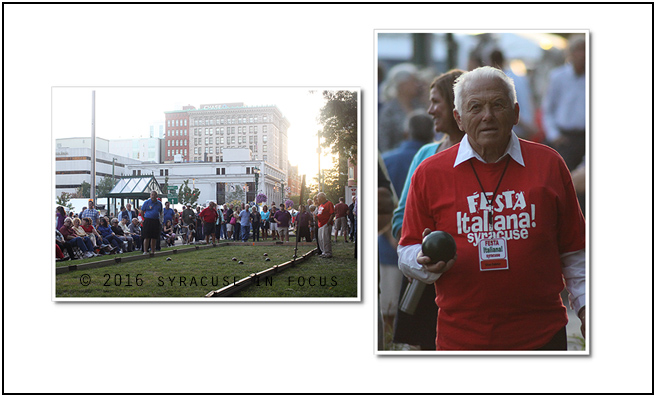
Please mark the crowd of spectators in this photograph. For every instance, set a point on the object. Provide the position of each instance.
(90, 234)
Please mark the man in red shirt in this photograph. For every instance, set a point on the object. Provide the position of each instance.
(209, 217)
(341, 209)
(511, 207)
(325, 215)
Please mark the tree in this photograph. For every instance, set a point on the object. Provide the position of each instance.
(186, 196)
(64, 200)
(235, 196)
(339, 117)
(332, 184)
(105, 186)
(84, 190)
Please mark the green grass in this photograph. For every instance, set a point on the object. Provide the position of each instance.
(315, 277)
(195, 273)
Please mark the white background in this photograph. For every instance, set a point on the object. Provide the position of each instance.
(308, 347)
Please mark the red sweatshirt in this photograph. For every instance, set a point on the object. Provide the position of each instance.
(494, 297)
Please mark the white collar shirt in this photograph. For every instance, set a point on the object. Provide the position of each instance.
(465, 151)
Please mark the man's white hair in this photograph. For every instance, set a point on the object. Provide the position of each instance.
(484, 72)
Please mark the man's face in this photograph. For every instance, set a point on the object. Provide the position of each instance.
(487, 115)
(440, 111)
(167, 205)
(128, 206)
(153, 195)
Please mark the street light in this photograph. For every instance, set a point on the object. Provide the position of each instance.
(256, 171)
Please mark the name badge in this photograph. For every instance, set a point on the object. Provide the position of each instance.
(493, 254)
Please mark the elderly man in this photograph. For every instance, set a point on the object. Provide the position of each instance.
(128, 213)
(325, 216)
(121, 231)
(511, 207)
(152, 228)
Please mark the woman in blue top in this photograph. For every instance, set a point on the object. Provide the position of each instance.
(419, 329)
(265, 221)
(107, 234)
(150, 231)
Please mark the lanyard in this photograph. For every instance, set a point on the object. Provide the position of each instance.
(489, 205)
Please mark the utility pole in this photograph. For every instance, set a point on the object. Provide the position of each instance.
(93, 147)
(319, 159)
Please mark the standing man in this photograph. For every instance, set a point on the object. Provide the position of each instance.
(209, 217)
(188, 218)
(283, 217)
(341, 223)
(511, 207)
(152, 228)
(325, 216)
(92, 213)
(167, 213)
(245, 223)
(564, 106)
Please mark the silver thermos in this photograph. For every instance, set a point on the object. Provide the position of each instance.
(411, 296)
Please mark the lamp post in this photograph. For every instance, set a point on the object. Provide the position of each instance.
(114, 182)
(257, 177)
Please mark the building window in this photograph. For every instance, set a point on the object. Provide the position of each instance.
(264, 157)
(168, 153)
(264, 148)
(264, 138)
